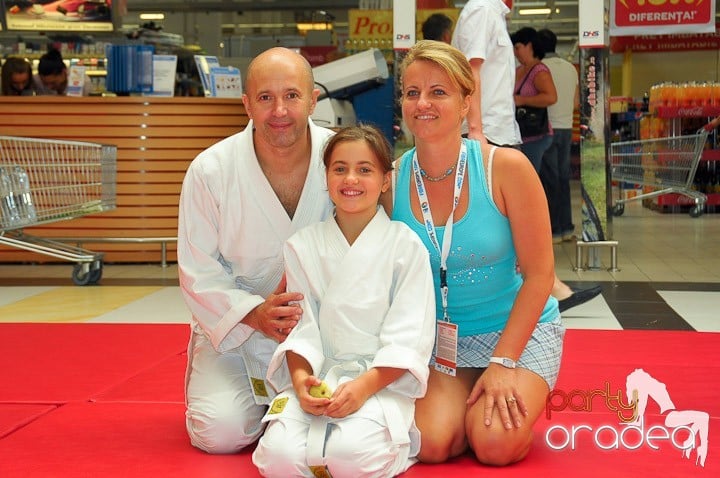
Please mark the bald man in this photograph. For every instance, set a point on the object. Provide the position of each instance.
(241, 199)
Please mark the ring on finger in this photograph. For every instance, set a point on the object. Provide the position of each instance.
(511, 399)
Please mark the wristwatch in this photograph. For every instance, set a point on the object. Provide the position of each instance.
(504, 361)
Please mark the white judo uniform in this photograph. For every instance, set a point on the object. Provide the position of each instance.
(231, 231)
(367, 305)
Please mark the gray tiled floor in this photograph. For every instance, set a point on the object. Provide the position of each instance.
(654, 247)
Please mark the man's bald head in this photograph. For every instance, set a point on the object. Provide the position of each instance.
(279, 57)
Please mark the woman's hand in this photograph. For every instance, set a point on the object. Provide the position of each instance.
(499, 386)
(310, 404)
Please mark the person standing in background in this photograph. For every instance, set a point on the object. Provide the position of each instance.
(438, 26)
(52, 76)
(17, 77)
(481, 34)
(555, 168)
(534, 88)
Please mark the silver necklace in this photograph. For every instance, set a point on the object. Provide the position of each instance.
(437, 178)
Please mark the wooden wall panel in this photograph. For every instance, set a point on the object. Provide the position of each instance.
(157, 138)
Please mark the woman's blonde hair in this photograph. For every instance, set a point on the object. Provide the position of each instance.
(447, 57)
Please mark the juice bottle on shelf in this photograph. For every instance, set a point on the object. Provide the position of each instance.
(705, 95)
(671, 94)
(694, 91)
(716, 94)
(659, 128)
(655, 93)
(683, 99)
(645, 127)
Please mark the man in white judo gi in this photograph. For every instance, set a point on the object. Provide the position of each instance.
(241, 199)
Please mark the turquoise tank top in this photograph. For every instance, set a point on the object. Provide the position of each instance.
(482, 273)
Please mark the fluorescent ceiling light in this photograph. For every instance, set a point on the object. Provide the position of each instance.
(534, 11)
(303, 27)
(152, 16)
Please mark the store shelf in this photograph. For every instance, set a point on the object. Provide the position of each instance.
(36, 56)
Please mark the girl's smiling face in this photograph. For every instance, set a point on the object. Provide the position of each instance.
(356, 179)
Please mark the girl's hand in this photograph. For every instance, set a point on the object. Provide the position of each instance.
(310, 404)
(347, 399)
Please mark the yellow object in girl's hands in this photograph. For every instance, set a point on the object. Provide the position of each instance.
(320, 391)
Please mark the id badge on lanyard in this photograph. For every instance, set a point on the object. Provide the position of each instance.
(446, 341)
(446, 347)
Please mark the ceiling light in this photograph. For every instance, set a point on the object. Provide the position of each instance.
(534, 11)
(152, 16)
(303, 27)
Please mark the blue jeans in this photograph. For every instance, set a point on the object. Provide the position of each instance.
(555, 176)
(535, 149)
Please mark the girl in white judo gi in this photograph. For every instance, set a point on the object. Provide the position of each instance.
(367, 330)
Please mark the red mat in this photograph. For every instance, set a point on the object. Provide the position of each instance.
(57, 363)
(15, 416)
(113, 440)
(163, 383)
(125, 415)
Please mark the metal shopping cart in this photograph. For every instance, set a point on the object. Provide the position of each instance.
(44, 181)
(666, 165)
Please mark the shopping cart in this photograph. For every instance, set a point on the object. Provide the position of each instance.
(44, 181)
(666, 165)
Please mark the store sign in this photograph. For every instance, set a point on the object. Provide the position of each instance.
(639, 17)
(370, 24)
(663, 43)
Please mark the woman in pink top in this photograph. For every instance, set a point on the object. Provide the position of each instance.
(534, 87)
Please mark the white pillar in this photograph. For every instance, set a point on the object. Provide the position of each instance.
(593, 16)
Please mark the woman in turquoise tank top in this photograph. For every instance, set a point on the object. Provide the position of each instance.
(482, 214)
